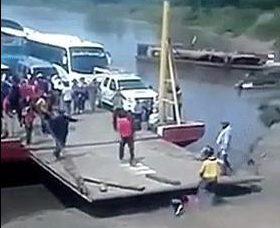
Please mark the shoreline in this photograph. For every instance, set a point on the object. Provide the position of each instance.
(208, 27)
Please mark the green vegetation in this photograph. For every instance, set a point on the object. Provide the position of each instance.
(223, 20)
(236, 17)
(270, 28)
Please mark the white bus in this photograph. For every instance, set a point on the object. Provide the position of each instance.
(78, 57)
(13, 46)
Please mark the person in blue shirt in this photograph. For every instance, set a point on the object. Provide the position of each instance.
(60, 133)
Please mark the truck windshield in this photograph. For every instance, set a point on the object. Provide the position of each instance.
(84, 59)
(131, 84)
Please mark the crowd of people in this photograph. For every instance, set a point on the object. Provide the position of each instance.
(34, 96)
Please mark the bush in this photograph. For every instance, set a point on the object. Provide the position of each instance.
(269, 29)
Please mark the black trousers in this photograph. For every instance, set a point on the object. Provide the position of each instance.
(28, 131)
(59, 145)
(130, 142)
(208, 185)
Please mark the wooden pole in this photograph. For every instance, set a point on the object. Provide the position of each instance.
(174, 92)
(163, 59)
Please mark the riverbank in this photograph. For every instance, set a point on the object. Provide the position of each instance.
(248, 29)
(245, 29)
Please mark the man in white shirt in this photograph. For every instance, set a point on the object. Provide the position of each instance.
(223, 141)
(67, 98)
(153, 120)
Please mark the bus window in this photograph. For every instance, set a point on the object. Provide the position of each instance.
(48, 53)
(84, 59)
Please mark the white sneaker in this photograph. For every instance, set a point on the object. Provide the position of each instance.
(179, 210)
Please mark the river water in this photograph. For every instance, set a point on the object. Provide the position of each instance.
(208, 93)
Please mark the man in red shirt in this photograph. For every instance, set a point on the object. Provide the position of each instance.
(126, 132)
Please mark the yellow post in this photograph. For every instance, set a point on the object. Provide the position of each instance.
(173, 85)
(163, 59)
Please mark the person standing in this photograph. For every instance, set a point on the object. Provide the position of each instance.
(92, 93)
(179, 102)
(14, 98)
(8, 117)
(60, 133)
(138, 114)
(82, 95)
(67, 98)
(126, 133)
(153, 120)
(43, 111)
(118, 100)
(223, 141)
(28, 115)
(75, 91)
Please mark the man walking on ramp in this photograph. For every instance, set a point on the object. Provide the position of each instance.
(126, 132)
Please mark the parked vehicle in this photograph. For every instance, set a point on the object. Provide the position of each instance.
(131, 87)
(13, 43)
(208, 58)
(78, 57)
(34, 66)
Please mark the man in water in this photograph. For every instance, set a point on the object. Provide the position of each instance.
(223, 141)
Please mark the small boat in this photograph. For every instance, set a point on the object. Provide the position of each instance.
(268, 80)
(183, 134)
(208, 58)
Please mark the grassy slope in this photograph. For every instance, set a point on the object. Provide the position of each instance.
(220, 20)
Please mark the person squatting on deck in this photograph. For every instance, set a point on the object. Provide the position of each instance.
(209, 173)
(223, 141)
(126, 132)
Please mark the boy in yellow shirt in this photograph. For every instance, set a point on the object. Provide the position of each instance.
(209, 172)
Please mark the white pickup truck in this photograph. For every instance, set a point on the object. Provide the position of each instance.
(132, 89)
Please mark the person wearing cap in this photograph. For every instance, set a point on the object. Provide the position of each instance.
(223, 142)
(209, 171)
